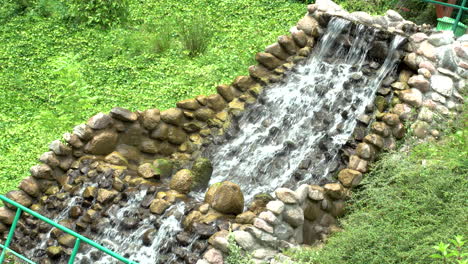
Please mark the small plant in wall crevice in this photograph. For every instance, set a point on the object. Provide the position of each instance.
(453, 253)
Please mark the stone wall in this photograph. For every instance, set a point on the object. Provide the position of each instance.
(428, 87)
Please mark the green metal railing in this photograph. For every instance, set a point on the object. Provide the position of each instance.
(78, 241)
(460, 8)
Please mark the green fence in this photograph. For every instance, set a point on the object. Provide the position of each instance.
(460, 8)
(79, 238)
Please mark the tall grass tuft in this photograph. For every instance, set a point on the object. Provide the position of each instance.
(195, 36)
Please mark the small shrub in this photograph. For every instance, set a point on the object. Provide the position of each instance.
(160, 41)
(51, 8)
(236, 254)
(195, 36)
(453, 253)
(103, 13)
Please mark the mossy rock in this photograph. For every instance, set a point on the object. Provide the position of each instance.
(381, 103)
(202, 171)
(163, 167)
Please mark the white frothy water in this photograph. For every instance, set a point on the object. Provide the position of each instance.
(315, 108)
(130, 242)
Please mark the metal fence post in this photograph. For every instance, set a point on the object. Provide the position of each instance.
(460, 11)
(75, 251)
(10, 234)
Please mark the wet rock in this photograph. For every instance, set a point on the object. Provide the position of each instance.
(146, 171)
(176, 135)
(75, 212)
(349, 178)
(67, 241)
(189, 104)
(149, 236)
(366, 151)
(312, 211)
(300, 38)
(89, 192)
(225, 197)
(400, 86)
(159, 206)
(288, 44)
(203, 230)
(116, 158)
(286, 195)
(130, 222)
(203, 114)
(202, 171)
(215, 102)
(104, 196)
(262, 74)
(102, 143)
(123, 114)
(99, 121)
(54, 252)
(379, 50)
(182, 181)
(20, 197)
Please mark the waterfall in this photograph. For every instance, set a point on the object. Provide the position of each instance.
(294, 132)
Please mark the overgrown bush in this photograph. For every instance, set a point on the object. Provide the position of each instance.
(105, 13)
(195, 36)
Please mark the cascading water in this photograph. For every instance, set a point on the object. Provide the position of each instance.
(297, 128)
(292, 135)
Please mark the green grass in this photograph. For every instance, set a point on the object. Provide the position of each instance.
(54, 75)
(409, 203)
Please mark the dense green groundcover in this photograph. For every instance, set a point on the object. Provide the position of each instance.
(55, 74)
(408, 203)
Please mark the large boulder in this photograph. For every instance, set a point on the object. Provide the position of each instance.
(20, 197)
(225, 197)
(150, 118)
(172, 116)
(30, 186)
(182, 181)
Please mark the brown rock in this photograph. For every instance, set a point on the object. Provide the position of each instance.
(365, 151)
(102, 143)
(245, 218)
(158, 206)
(338, 208)
(381, 129)
(146, 171)
(268, 60)
(189, 104)
(99, 121)
(59, 148)
(286, 195)
(6, 215)
(391, 119)
(148, 145)
(176, 135)
(123, 114)
(83, 131)
(349, 178)
(228, 198)
(243, 83)
(203, 114)
(116, 158)
(412, 97)
(262, 74)
(357, 163)
(309, 25)
(20, 197)
(182, 181)
(67, 240)
(104, 196)
(288, 44)
(50, 159)
(150, 118)
(403, 111)
(54, 252)
(399, 131)
(312, 211)
(161, 132)
(299, 38)
(216, 102)
(41, 171)
(30, 186)
(334, 190)
(172, 116)
(278, 51)
(375, 140)
(89, 192)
